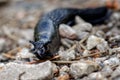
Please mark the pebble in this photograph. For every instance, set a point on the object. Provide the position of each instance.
(93, 41)
(114, 50)
(24, 53)
(67, 32)
(100, 33)
(85, 53)
(112, 61)
(64, 77)
(64, 69)
(103, 46)
(79, 20)
(1, 66)
(106, 71)
(83, 27)
(96, 76)
(116, 74)
(67, 42)
(67, 55)
(82, 68)
(83, 35)
(15, 71)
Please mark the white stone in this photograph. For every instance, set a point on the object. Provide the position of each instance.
(82, 68)
(67, 55)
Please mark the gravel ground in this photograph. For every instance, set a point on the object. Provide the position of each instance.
(94, 57)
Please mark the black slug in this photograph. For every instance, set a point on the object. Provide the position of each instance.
(46, 35)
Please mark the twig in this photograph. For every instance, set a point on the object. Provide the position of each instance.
(13, 37)
(8, 56)
(64, 62)
(80, 42)
(9, 53)
(39, 61)
(89, 55)
(13, 50)
(75, 60)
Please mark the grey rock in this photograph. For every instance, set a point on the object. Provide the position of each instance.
(106, 71)
(15, 71)
(103, 46)
(67, 32)
(93, 41)
(100, 33)
(79, 20)
(82, 68)
(82, 35)
(115, 38)
(83, 27)
(64, 69)
(67, 42)
(112, 61)
(24, 53)
(116, 74)
(116, 49)
(96, 76)
(85, 53)
(67, 55)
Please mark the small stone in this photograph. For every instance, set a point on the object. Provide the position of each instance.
(67, 42)
(86, 52)
(64, 69)
(15, 71)
(83, 35)
(115, 49)
(100, 34)
(106, 71)
(24, 53)
(116, 74)
(64, 77)
(82, 68)
(115, 38)
(79, 20)
(83, 27)
(116, 15)
(96, 76)
(112, 61)
(67, 55)
(93, 41)
(103, 46)
(67, 32)
(1, 66)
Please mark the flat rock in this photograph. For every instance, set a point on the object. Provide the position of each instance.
(15, 71)
(96, 76)
(67, 55)
(112, 61)
(116, 74)
(82, 68)
(93, 41)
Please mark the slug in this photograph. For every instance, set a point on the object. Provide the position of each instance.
(46, 34)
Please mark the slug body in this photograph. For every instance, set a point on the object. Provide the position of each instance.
(46, 35)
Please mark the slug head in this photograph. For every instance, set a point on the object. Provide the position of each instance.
(38, 49)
